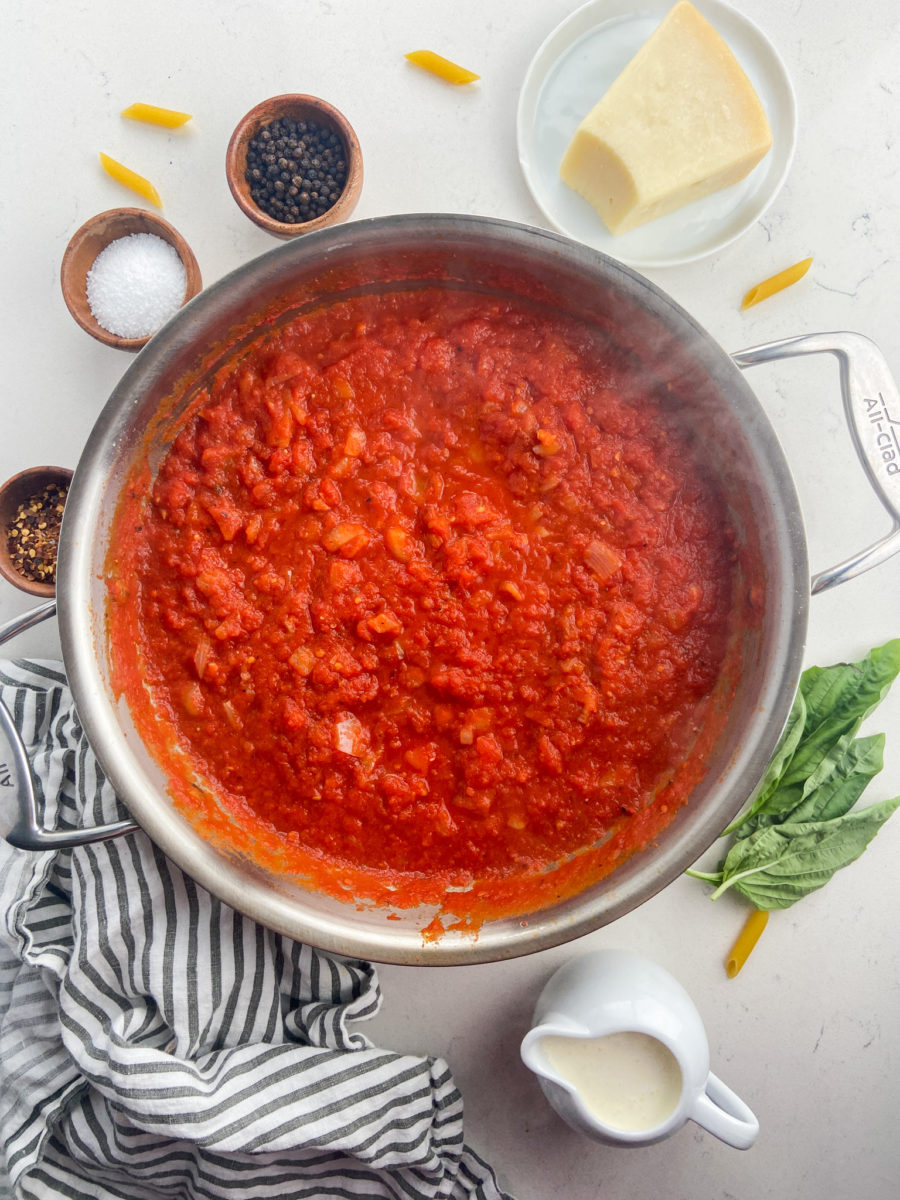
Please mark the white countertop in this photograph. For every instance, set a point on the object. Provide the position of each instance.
(809, 1033)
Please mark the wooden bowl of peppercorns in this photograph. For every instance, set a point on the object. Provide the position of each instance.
(31, 509)
(294, 164)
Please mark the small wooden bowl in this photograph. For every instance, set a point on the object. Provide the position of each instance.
(295, 108)
(13, 493)
(94, 236)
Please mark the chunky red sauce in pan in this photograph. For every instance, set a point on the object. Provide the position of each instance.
(423, 586)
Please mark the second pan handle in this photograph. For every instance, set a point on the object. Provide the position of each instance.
(27, 833)
(872, 408)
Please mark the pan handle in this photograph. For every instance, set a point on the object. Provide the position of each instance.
(872, 409)
(27, 832)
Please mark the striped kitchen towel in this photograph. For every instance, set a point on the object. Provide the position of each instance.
(155, 1043)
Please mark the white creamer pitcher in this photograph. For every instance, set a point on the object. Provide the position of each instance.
(622, 1055)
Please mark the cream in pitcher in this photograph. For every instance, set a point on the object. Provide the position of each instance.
(627, 1080)
(622, 1055)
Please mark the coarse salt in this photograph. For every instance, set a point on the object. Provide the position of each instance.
(136, 283)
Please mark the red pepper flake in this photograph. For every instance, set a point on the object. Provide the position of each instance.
(32, 537)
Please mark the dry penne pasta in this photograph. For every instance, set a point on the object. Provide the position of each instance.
(776, 283)
(170, 118)
(130, 179)
(745, 941)
(442, 67)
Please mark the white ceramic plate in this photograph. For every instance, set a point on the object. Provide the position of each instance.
(573, 69)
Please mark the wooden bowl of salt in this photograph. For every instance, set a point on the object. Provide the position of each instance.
(124, 273)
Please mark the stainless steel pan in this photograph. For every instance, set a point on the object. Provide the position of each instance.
(494, 256)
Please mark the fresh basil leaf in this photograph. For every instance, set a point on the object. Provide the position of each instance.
(800, 826)
(840, 779)
(827, 690)
(838, 699)
(832, 789)
(778, 808)
(713, 877)
(778, 865)
(787, 745)
(768, 785)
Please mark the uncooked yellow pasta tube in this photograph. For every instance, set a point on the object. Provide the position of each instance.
(746, 940)
(131, 179)
(153, 115)
(442, 67)
(776, 283)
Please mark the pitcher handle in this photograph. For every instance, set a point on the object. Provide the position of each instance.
(872, 408)
(722, 1113)
(27, 833)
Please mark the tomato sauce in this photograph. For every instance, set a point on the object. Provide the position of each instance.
(424, 588)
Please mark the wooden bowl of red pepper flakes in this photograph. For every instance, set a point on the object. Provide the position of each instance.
(31, 511)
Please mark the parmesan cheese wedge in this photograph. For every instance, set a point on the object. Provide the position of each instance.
(681, 121)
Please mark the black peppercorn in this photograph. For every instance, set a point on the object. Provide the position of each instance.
(304, 176)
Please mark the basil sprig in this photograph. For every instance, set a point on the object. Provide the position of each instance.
(801, 825)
